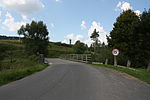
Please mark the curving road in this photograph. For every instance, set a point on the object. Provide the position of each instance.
(66, 80)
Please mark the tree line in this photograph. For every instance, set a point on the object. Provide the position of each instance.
(130, 34)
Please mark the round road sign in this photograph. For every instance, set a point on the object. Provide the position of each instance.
(115, 52)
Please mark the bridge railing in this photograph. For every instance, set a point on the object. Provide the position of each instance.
(77, 57)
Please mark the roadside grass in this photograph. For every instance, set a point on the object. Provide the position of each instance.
(15, 63)
(141, 74)
(7, 76)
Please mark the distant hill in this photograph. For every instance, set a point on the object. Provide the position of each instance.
(9, 37)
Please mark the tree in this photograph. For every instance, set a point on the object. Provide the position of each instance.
(94, 36)
(141, 40)
(35, 37)
(121, 35)
(79, 47)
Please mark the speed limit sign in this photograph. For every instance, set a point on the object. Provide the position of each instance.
(115, 52)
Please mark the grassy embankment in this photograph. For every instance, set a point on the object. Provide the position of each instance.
(7, 76)
(57, 49)
(141, 74)
(14, 63)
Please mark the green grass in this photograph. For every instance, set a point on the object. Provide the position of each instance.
(15, 63)
(7, 76)
(10, 43)
(141, 74)
(55, 50)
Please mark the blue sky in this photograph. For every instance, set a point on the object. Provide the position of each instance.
(74, 19)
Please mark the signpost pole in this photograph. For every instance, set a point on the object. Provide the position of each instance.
(115, 61)
(115, 52)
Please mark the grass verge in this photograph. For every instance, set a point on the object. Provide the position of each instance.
(138, 73)
(7, 76)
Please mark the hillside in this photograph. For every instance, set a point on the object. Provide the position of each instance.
(58, 48)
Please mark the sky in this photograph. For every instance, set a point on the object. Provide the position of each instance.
(67, 19)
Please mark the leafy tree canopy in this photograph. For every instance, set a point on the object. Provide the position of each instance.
(141, 40)
(79, 47)
(35, 37)
(94, 35)
(121, 35)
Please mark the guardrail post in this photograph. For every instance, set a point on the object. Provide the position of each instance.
(148, 68)
(128, 63)
(106, 61)
(86, 58)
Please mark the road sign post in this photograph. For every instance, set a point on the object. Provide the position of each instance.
(115, 52)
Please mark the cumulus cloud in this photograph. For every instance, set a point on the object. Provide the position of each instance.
(24, 7)
(83, 25)
(100, 29)
(11, 24)
(79, 37)
(64, 41)
(96, 26)
(24, 17)
(57, 0)
(52, 25)
(70, 36)
(88, 41)
(123, 6)
(0, 13)
(73, 38)
(137, 12)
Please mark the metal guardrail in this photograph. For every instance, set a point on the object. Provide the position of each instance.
(85, 58)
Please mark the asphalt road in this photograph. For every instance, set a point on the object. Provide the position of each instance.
(66, 80)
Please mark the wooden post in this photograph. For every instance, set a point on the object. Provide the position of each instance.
(128, 63)
(115, 61)
(86, 58)
(148, 68)
(106, 61)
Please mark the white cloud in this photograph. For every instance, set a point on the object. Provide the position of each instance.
(88, 41)
(137, 12)
(64, 41)
(96, 26)
(11, 24)
(79, 37)
(0, 16)
(24, 17)
(0, 13)
(52, 25)
(100, 29)
(24, 7)
(83, 25)
(123, 6)
(57, 0)
(70, 36)
(73, 38)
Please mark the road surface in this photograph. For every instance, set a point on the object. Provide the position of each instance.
(66, 80)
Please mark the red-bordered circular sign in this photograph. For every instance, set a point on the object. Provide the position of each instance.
(115, 52)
